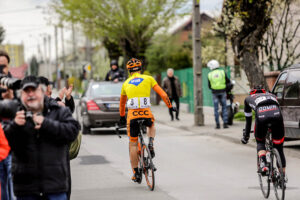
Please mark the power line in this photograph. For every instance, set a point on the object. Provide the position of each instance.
(23, 31)
(19, 10)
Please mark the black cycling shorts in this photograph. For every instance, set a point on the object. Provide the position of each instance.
(269, 115)
(133, 129)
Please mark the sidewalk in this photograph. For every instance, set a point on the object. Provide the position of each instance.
(186, 122)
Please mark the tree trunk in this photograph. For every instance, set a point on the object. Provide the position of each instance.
(247, 44)
(255, 75)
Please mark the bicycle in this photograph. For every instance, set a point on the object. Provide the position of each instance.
(275, 174)
(145, 164)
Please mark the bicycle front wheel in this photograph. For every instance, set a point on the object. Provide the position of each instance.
(264, 182)
(148, 168)
(278, 176)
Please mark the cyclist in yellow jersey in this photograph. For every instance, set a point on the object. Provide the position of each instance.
(136, 94)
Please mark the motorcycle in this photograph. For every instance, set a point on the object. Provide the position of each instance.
(232, 107)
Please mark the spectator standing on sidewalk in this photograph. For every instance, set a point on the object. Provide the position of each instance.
(217, 81)
(40, 135)
(171, 85)
(5, 163)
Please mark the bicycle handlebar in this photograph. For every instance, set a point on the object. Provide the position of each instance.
(117, 129)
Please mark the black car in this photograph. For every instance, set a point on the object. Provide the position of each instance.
(100, 105)
(286, 88)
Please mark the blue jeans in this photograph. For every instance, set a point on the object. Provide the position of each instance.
(220, 97)
(6, 179)
(56, 196)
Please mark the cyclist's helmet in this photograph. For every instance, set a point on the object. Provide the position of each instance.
(134, 65)
(257, 89)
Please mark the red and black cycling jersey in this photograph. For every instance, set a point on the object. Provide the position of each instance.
(259, 102)
(265, 106)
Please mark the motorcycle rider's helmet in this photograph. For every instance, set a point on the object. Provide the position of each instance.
(134, 65)
(114, 62)
(257, 89)
(213, 64)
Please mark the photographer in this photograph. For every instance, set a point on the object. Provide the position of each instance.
(5, 164)
(39, 137)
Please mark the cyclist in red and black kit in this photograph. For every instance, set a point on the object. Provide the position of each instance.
(267, 111)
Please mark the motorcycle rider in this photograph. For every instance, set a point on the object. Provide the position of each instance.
(217, 81)
(115, 74)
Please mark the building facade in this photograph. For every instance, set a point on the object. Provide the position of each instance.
(15, 52)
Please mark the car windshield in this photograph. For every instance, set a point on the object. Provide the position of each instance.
(99, 89)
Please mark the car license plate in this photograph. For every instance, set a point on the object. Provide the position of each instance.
(113, 105)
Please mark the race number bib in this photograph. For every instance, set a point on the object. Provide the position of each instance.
(133, 103)
(145, 102)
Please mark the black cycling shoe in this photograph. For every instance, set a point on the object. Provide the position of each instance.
(154, 168)
(151, 148)
(285, 179)
(137, 177)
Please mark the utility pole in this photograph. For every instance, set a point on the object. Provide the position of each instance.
(198, 99)
(56, 56)
(49, 58)
(74, 47)
(45, 54)
(88, 55)
(63, 51)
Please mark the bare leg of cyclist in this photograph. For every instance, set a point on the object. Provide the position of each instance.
(151, 131)
(151, 135)
(133, 153)
(261, 153)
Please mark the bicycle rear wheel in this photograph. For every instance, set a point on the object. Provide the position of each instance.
(264, 182)
(148, 168)
(278, 176)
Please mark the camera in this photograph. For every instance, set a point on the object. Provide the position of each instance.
(10, 83)
(8, 108)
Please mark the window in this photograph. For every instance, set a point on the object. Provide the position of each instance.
(292, 85)
(278, 90)
(98, 90)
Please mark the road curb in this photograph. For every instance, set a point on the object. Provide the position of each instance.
(214, 134)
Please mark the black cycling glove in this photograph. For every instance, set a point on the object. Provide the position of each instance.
(123, 120)
(174, 109)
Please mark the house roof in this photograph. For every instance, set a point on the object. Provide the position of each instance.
(187, 25)
(18, 72)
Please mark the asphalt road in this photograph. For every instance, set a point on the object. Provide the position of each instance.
(190, 166)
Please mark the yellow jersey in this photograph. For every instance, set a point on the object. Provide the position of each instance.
(137, 89)
(138, 85)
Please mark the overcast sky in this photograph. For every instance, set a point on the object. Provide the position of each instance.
(25, 22)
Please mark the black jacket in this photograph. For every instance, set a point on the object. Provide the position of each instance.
(40, 157)
(113, 74)
(253, 102)
(69, 103)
